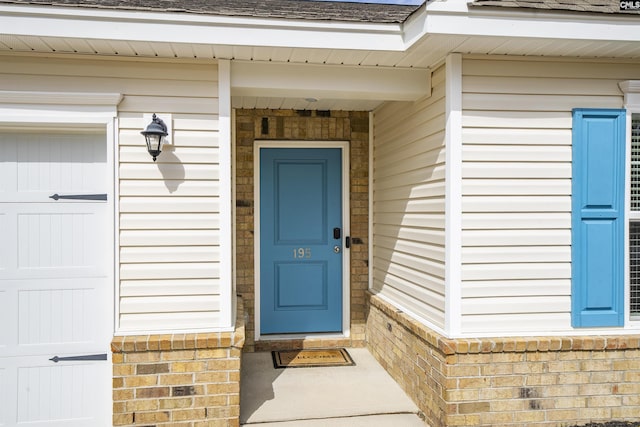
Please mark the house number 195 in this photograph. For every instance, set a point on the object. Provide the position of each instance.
(299, 253)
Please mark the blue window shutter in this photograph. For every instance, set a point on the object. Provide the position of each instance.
(597, 229)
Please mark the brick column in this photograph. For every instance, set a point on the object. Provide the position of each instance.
(185, 380)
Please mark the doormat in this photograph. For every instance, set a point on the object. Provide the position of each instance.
(311, 358)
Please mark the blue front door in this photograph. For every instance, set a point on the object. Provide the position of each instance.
(300, 240)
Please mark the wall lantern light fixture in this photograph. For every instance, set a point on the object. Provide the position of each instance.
(155, 134)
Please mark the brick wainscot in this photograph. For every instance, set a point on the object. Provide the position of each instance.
(551, 381)
(182, 380)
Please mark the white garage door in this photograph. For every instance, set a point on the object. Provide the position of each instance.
(55, 292)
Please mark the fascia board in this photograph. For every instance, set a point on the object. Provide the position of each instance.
(448, 6)
(198, 29)
(415, 27)
(534, 25)
(328, 81)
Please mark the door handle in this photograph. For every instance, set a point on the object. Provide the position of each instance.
(56, 359)
(79, 197)
(336, 249)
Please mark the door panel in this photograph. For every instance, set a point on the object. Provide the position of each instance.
(55, 294)
(290, 296)
(300, 267)
(56, 393)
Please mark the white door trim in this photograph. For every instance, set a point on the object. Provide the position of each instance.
(346, 225)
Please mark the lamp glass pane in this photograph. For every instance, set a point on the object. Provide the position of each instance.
(153, 142)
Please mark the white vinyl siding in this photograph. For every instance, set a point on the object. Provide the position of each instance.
(408, 204)
(169, 211)
(516, 186)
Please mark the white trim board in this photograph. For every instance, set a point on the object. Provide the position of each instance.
(370, 194)
(227, 300)
(453, 196)
(631, 90)
(346, 227)
(329, 81)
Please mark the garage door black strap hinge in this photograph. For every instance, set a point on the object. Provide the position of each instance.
(57, 359)
(80, 197)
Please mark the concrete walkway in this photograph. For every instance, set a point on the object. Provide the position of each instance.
(349, 396)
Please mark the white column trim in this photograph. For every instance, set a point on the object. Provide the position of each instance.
(227, 300)
(453, 197)
(234, 197)
(631, 90)
(370, 219)
(116, 223)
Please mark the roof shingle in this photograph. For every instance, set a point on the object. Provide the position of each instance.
(283, 9)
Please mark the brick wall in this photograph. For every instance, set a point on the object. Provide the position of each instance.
(182, 380)
(550, 381)
(303, 126)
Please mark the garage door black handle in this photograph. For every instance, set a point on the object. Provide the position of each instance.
(80, 197)
(57, 359)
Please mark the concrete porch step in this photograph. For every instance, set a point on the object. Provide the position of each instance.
(358, 395)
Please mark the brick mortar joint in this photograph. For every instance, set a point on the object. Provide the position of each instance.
(454, 346)
(185, 341)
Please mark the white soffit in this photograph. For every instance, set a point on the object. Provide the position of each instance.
(326, 81)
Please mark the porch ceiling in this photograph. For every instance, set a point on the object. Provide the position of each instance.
(426, 53)
(420, 43)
